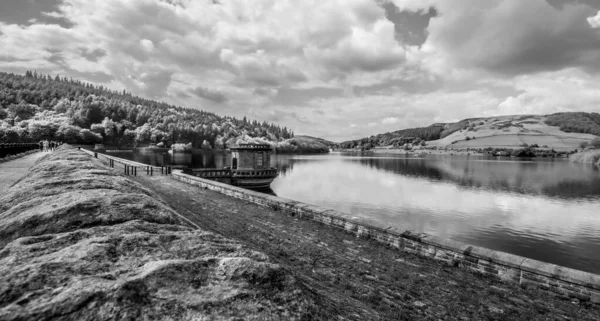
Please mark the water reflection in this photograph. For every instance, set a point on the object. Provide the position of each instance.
(545, 210)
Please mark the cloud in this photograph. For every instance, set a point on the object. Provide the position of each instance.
(53, 14)
(93, 55)
(544, 93)
(211, 95)
(510, 37)
(595, 20)
(389, 120)
(317, 66)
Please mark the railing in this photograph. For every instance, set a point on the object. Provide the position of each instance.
(131, 167)
(255, 172)
(252, 146)
(16, 148)
(212, 173)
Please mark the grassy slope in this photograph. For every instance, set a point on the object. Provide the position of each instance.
(510, 132)
(315, 140)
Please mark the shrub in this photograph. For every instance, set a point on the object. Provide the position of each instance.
(595, 143)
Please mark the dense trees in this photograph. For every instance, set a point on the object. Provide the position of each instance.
(576, 122)
(35, 106)
(398, 138)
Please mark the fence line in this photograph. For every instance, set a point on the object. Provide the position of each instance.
(131, 167)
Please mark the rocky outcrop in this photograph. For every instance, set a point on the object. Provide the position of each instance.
(80, 242)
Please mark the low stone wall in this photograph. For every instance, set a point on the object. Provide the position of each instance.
(508, 267)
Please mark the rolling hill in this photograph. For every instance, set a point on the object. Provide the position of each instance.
(561, 131)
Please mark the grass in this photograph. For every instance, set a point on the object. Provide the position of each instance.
(590, 156)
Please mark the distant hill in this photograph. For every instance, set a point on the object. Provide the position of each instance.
(561, 131)
(315, 139)
(306, 144)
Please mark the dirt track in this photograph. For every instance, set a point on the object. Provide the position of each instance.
(362, 279)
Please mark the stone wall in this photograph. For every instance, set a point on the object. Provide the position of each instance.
(556, 279)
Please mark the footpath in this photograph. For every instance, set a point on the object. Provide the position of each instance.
(12, 170)
(360, 278)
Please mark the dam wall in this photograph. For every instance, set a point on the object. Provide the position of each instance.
(511, 268)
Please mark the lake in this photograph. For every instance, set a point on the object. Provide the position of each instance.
(545, 209)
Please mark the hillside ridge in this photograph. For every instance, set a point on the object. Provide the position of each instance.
(561, 131)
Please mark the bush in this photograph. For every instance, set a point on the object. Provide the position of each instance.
(595, 143)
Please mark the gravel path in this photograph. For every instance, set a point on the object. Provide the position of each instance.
(361, 279)
(11, 171)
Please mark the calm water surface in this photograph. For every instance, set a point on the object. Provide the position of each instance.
(544, 209)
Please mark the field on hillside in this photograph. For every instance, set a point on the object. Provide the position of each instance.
(511, 132)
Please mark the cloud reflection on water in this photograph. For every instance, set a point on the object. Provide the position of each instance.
(514, 207)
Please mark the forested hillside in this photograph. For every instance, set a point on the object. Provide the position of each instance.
(577, 122)
(397, 138)
(35, 107)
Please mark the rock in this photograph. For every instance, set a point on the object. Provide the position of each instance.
(365, 259)
(419, 304)
(80, 242)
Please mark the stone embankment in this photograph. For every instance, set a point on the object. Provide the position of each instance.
(79, 241)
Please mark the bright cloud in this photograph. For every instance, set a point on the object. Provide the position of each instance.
(594, 21)
(317, 66)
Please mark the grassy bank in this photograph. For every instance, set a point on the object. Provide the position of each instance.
(590, 156)
(80, 242)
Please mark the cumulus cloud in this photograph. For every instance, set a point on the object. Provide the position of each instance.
(53, 14)
(595, 20)
(317, 66)
(389, 120)
(509, 37)
(544, 93)
(211, 95)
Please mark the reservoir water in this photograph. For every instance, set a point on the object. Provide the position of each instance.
(545, 209)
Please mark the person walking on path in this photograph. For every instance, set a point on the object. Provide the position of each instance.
(41, 144)
(45, 146)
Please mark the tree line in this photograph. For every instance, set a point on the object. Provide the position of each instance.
(397, 138)
(35, 107)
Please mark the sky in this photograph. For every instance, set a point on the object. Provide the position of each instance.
(336, 69)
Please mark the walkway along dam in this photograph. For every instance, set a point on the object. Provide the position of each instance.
(85, 238)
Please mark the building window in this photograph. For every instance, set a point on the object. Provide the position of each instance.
(259, 159)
